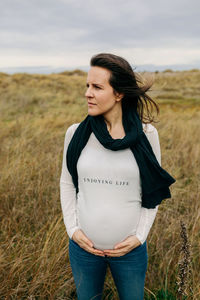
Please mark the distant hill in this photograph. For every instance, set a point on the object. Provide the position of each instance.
(138, 68)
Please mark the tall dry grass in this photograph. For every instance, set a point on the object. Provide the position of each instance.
(35, 112)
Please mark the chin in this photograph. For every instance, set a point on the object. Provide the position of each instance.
(92, 113)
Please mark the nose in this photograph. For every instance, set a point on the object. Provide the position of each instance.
(88, 93)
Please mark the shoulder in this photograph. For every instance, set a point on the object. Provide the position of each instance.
(71, 129)
(153, 138)
(149, 129)
(151, 133)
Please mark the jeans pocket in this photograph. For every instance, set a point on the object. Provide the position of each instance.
(73, 243)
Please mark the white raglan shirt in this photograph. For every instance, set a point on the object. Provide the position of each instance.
(108, 206)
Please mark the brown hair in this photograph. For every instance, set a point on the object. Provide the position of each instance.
(124, 80)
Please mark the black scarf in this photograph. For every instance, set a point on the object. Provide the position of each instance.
(155, 180)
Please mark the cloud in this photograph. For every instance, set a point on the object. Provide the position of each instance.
(71, 31)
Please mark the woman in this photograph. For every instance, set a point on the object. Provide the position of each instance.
(112, 182)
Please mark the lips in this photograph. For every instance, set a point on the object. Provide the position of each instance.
(91, 103)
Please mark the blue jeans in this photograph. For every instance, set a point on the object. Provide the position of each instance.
(89, 272)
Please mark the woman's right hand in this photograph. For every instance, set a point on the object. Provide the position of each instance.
(81, 239)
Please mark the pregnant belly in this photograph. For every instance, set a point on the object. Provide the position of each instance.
(106, 227)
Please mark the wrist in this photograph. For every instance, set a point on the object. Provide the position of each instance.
(74, 235)
(139, 239)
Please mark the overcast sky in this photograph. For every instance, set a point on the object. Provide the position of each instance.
(66, 33)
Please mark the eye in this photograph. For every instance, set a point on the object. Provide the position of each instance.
(95, 86)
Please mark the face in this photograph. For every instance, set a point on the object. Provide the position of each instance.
(100, 94)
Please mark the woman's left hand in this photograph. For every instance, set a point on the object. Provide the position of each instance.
(124, 247)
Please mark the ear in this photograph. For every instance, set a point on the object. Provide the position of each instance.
(119, 96)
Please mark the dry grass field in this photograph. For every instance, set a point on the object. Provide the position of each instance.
(35, 112)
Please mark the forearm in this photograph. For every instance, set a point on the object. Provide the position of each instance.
(68, 205)
(145, 223)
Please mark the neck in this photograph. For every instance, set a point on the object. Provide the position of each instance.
(113, 118)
